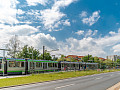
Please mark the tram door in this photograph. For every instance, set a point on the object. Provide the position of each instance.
(26, 66)
(32, 66)
(44, 65)
(5, 67)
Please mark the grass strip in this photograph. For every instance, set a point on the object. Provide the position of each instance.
(48, 77)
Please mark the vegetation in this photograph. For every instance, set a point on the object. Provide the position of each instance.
(62, 58)
(27, 52)
(88, 58)
(46, 56)
(47, 77)
(13, 46)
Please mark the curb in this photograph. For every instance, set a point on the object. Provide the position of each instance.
(115, 87)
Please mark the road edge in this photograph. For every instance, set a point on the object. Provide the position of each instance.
(115, 87)
(57, 80)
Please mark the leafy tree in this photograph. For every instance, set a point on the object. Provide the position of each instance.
(118, 61)
(13, 46)
(46, 56)
(88, 57)
(96, 59)
(71, 59)
(27, 53)
(62, 58)
(108, 62)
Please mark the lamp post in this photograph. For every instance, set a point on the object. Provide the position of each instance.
(54, 61)
(52, 55)
(32, 61)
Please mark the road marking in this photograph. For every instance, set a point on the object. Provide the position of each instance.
(64, 86)
(98, 78)
(111, 75)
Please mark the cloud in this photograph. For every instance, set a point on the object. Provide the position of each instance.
(66, 22)
(8, 11)
(35, 2)
(80, 32)
(52, 16)
(39, 40)
(28, 35)
(49, 17)
(101, 46)
(95, 32)
(20, 12)
(83, 14)
(82, 47)
(92, 19)
(112, 33)
(89, 33)
(116, 48)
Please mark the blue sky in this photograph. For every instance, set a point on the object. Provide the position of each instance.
(78, 27)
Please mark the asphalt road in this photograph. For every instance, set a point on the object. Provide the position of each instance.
(91, 82)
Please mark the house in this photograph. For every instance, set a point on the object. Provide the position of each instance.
(78, 58)
(100, 58)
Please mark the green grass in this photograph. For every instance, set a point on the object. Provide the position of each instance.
(47, 77)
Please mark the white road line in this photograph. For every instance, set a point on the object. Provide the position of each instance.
(111, 75)
(64, 86)
(99, 78)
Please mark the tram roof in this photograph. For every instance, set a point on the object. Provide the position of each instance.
(43, 61)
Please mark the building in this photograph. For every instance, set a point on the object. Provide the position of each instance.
(100, 58)
(75, 57)
(113, 57)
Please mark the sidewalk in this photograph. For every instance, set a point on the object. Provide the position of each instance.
(12, 76)
(115, 87)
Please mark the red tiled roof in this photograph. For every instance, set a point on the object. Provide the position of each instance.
(101, 58)
(74, 56)
(80, 56)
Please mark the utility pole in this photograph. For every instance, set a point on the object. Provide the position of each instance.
(32, 61)
(54, 62)
(88, 56)
(43, 51)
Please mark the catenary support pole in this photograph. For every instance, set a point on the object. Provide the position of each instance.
(43, 51)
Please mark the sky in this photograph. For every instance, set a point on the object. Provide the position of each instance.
(75, 27)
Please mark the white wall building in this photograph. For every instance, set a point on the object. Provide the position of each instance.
(113, 57)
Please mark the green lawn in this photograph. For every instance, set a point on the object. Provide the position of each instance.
(47, 77)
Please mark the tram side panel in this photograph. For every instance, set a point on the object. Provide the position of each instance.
(15, 67)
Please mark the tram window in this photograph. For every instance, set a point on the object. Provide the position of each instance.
(0, 64)
(63, 64)
(11, 63)
(22, 64)
(55, 64)
(38, 64)
(18, 64)
(50, 64)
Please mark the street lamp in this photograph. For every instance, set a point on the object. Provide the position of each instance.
(54, 62)
(32, 61)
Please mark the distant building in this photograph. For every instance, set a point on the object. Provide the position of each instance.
(100, 58)
(113, 57)
(75, 57)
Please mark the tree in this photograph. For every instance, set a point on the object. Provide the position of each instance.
(62, 58)
(46, 56)
(96, 59)
(118, 61)
(27, 53)
(13, 46)
(108, 62)
(88, 57)
(71, 59)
